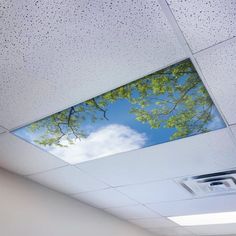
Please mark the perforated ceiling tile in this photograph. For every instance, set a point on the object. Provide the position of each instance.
(107, 198)
(69, 180)
(24, 158)
(133, 212)
(203, 154)
(224, 229)
(154, 223)
(206, 22)
(161, 191)
(218, 65)
(59, 53)
(196, 206)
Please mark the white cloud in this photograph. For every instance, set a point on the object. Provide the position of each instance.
(106, 141)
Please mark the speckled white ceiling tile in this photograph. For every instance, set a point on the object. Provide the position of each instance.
(58, 53)
(218, 65)
(205, 22)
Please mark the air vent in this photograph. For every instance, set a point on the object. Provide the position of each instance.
(211, 184)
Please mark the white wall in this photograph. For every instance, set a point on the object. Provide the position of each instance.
(29, 209)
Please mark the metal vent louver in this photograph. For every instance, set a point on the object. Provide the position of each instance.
(211, 184)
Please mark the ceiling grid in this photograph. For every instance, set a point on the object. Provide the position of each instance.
(117, 45)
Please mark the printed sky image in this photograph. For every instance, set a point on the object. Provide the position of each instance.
(167, 105)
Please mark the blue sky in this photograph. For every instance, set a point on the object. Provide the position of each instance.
(118, 113)
(121, 133)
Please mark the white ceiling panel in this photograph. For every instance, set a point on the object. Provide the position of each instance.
(178, 231)
(233, 128)
(205, 22)
(196, 206)
(107, 198)
(55, 54)
(69, 180)
(2, 130)
(224, 229)
(218, 65)
(203, 153)
(133, 212)
(152, 192)
(23, 158)
(91, 46)
(154, 223)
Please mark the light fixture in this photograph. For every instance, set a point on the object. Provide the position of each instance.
(160, 107)
(205, 219)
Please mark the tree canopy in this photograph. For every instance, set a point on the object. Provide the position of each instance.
(174, 97)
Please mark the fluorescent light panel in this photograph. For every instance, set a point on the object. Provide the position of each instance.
(205, 219)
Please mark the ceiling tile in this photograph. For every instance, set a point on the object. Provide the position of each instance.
(91, 47)
(107, 198)
(69, 180)
(198, 154)
(196, 206)
(178, 231)
(154, 223)
(2, 130)
(23, 158)
(233, 128)
(220, 75)
(224, 229)
(133, 212)
(205, 23)
(160, 191)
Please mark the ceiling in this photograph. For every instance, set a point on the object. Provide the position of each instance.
(59, 53)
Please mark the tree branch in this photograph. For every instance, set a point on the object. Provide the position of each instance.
(72, 111)
(100, 108)
(179, 100)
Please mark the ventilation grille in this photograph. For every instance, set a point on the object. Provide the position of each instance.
(211, 184)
